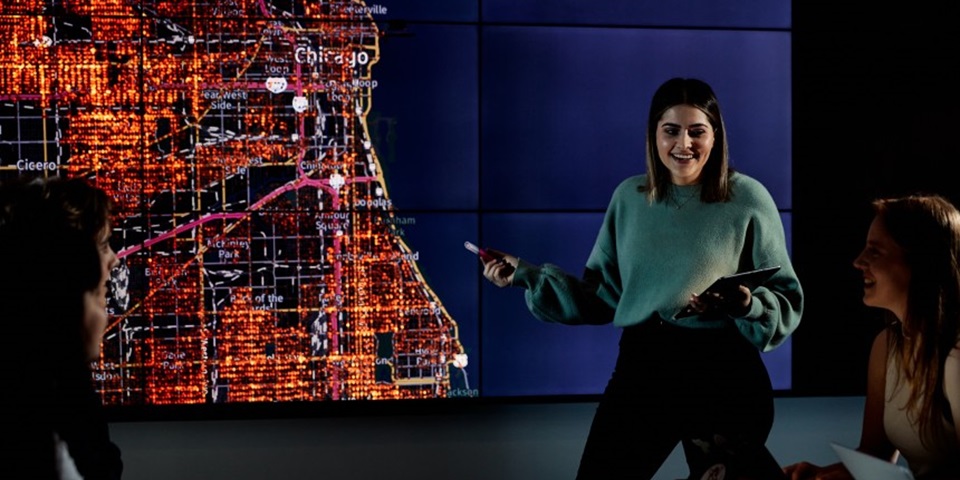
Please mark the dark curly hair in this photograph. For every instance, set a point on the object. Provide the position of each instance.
(49, 257)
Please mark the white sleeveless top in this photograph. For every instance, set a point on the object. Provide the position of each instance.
(905, 435)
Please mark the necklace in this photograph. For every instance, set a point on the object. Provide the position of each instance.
(681, 198)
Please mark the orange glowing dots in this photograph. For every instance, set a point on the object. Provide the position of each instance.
(256, 271)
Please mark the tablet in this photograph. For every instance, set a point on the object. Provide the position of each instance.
(750, 279)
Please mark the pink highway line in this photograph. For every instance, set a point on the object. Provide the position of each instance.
(295, 185)
(253, 86)
(181, 228)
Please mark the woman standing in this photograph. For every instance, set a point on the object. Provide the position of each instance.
(672, 231)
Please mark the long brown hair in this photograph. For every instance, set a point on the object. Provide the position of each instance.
(927, 228)
(715, 185)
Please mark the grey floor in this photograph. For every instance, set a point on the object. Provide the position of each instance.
(524, 441)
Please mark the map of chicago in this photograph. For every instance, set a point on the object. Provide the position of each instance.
(261, 258)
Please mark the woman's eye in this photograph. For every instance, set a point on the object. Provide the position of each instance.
(697, 133)
(671, 131)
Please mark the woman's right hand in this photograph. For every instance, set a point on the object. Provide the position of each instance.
(809, 471)
(499, 267)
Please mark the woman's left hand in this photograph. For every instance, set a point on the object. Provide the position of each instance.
(735, 303)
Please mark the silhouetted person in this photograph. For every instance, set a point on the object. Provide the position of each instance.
(55, 260)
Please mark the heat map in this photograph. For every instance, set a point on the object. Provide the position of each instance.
(261, 254)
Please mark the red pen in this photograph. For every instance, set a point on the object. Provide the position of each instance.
(484, 255)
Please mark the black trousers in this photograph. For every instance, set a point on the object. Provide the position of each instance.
(674, 384)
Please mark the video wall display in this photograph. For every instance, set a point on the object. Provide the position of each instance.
(294, 180)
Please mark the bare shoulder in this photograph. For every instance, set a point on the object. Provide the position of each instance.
(951, 378)
(951, 368)
(877, 362)
(880, 344)
(955, 353)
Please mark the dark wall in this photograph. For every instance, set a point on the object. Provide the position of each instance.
(875, 97)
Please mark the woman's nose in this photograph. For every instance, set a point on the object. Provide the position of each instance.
(858, 262)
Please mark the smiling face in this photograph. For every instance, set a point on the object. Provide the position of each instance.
(886, 274)
(95, 301)
(684, 140)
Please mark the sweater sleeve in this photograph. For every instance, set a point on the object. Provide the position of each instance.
(553, 295)
(777, 304)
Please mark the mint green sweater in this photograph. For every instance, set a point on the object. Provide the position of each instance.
(648, 259)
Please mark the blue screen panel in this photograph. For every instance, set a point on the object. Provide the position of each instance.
(689, 13)
(424, 118)
(564, 109)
